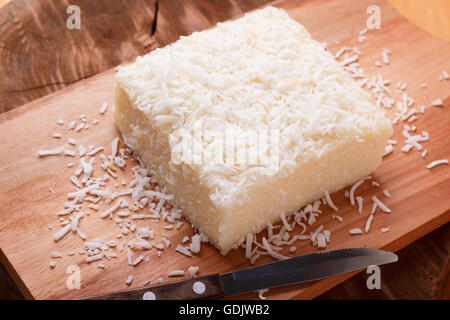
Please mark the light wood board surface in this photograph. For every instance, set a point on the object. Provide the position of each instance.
(419, 203)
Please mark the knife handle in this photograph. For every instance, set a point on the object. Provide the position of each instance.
(196, 288)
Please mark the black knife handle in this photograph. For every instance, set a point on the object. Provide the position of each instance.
(195, 288)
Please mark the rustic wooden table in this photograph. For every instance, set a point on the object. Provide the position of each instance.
(123, 29)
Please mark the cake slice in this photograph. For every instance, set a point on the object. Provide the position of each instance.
(261, 75)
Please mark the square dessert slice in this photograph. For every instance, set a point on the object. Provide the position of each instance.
(260, 73)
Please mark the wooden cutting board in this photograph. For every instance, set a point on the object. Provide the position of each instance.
(420, 199)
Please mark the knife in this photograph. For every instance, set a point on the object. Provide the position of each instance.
(314, 266)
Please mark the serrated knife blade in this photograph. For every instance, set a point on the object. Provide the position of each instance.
(310, 267)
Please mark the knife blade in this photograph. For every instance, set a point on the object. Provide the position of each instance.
(310, 267)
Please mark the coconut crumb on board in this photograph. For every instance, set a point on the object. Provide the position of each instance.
(359, 200)
(355, 231)
(80, 127)
(103, 108)
(193, 270)
(349, 60)
(329, 201)
(436, 163)
(129, 280)
(176, 273)
(321, 240)
(353, 189)
(61, 233)
(195, 243)
(183, 250)
(437, 103)
(93, 258)
(261, 294)
(55, 255)
(375, 184)
(380, 205)
(384, 56)
(69, 153)
(368, 223)
(54, 152)
(388, 149)
(271, 252)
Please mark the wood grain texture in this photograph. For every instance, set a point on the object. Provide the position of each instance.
(180, 18)
(39, 54)
(413, 187)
